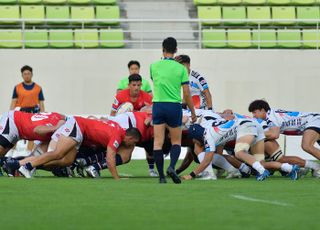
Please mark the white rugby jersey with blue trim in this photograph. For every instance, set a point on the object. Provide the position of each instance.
(198, 84)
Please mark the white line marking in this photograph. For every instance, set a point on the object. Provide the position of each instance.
(240, 197)
(125, 175)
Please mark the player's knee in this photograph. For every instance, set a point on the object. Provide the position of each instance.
(240, 147)
(306, 147)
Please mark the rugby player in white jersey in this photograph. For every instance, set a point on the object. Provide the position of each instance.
(199, 88)
(248, 135)
(284, 122)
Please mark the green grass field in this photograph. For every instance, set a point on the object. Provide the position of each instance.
(139, 202)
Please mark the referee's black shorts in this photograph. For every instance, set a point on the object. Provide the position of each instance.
(167, 113)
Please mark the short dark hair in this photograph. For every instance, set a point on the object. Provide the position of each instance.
(258, 104)
(134, 77)
(169, 45)
(26, 67)
(133, 132)
(133, 62)
(183, 59)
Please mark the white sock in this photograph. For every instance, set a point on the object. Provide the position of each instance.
(286, 167)
(221, 162)
(244, 168)
(201, 157)
(257, 166)
(312, 165)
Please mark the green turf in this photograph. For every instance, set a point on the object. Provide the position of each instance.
(140, 202)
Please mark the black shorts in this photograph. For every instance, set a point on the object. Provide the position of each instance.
(167, 113)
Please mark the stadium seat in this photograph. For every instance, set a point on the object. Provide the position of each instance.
(58, 12)
(9, 12)
(234, 13)
(214, 38)
(54, 2)
(310, 39)
(61, 38)
(78, 2)
(311, 12)
(108, 12)
(8, 2)
(239, 38)
(303, 2)
(204, 2)
(284, 13)
(278, 2)
(258, 12)
(13, 39)
(36, 38)
(289, 38)
(254, 2)
(82, 12)
(29, 1)
(104, 2)
(264, 38)
(86, 38)
(209, 12)
(112, 38)
(229, 2)
(33, 12)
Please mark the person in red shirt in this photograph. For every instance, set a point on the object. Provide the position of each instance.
(16, 125)
(137, 97)
(88, 132)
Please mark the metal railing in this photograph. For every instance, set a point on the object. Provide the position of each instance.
(143, 35)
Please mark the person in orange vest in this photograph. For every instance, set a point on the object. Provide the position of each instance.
(27, 96)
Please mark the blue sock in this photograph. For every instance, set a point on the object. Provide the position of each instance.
(158, 158)
(174, 155)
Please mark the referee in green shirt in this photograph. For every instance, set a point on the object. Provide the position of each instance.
(168, 76)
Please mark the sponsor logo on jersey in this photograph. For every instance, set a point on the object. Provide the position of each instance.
(116, 144)
(38, 117)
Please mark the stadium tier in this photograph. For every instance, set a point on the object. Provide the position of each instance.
(256, 2)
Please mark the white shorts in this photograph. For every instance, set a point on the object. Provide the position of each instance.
(69, 129)
(250, 128)
(8, 130)
(125, 120)
(313, 123)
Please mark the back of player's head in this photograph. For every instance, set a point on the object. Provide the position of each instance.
(183, 59)
(134, 77)
(169, 45)
(196, 131)
(133, 132)
(26, 67)
(133, 62)
(259, 104)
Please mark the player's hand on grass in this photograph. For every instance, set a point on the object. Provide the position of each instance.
(187, 177)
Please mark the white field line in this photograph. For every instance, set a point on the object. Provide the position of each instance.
(125, 175)
(240, 197)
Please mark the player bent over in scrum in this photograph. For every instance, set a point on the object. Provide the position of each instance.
(76, 131)
(248, 134)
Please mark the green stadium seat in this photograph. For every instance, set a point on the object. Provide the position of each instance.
(214, 38)
(239, 38)
(104, 2)
(54, 2)
(61, 38)
(278, 2)
(303, 2)
(258, 12)
(234, 13)
(9, 12)
(78, 2)
(205, 2)
(33, 12)
(311, 12)
(264, 38)
(229, 2)
(82, 12)
(310, 39)
(289, 38)
(113, 38)
(86, 38)
(254, 2)
(8, 2)
(209, 12)
(108, 12)
(284, 13)
(29, 1)
(58, 12)
(10, 39)
(36, 38)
